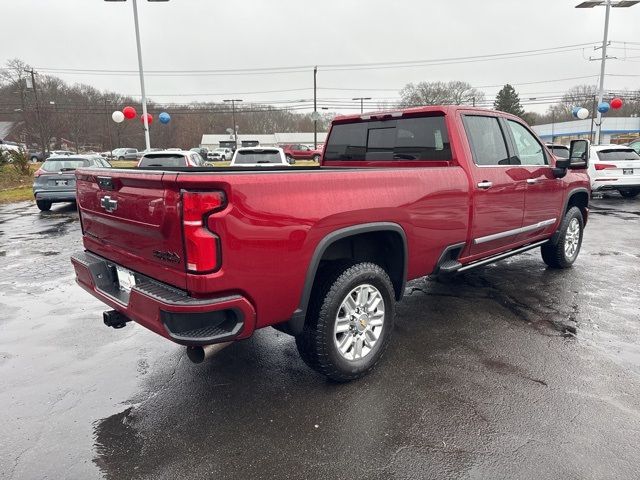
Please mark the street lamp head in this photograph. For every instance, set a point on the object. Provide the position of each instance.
(614, 4)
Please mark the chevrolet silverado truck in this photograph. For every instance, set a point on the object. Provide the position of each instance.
(207, 256)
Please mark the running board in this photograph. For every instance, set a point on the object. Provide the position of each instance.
(500, 256)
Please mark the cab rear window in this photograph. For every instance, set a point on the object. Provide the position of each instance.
(419, 138)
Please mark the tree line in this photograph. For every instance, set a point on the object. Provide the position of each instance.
(55, 112)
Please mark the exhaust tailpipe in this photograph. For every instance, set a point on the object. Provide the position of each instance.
(200, 354)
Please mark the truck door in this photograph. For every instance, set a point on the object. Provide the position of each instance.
(498, 190)
(543, 193)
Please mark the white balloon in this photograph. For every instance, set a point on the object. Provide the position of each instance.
(582, 113)
(117, 116)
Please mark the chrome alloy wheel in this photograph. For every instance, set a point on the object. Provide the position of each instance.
(359, 322)
(572, 238)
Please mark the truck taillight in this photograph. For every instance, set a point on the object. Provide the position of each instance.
(604, 166)
(202, 247)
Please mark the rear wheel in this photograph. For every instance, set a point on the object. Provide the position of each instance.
(44, 205)
(120, 158)
(34, 159)
(631, 193)
(563, 249)
(349, 321)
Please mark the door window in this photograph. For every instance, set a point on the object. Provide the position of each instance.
(528, 149)
(487, 141)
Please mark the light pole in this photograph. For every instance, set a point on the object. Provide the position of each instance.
(608, 4)
(233, 117)
(315, 108)
(362, 99)
(140, 69)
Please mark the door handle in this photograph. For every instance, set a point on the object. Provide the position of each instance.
(532, 181)
(485, 184)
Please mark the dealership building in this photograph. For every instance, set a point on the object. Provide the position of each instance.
(614, 130)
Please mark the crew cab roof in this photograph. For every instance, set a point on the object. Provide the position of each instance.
(398, 112)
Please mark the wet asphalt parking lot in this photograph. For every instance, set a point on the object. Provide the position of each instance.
(509, 371)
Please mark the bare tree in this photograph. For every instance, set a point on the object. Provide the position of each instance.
(440, 93)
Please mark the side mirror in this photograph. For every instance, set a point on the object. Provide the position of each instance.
(578, 154)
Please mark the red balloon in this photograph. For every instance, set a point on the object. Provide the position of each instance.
(149, 119)
(616, 103)
(129, 112)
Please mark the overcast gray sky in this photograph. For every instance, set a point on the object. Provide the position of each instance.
(214, 35)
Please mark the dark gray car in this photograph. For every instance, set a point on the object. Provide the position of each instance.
(55, 181)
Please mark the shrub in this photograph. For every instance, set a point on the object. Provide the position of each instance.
(20, 162)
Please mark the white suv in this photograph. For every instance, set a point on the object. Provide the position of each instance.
(259, 157)
(614, 167)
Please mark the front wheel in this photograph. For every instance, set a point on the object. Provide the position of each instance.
(563, 248)
(629, 193)
(316, 158)
(34, 159)
(349, 322)
(43, 205)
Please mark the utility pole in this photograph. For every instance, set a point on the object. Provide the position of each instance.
(315, 108)
(45, 148)
(603, 59)
(233, 117)
(362, 99)
(593, 109)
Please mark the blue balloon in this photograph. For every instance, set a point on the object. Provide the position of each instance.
(603, 107)
(164, 118)
(574, 111)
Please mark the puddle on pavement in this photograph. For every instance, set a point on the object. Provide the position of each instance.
(117, 441)
(534, 310)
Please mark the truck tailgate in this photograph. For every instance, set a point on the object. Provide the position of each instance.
(130, 218)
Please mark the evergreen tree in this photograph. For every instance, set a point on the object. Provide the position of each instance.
(508, 101)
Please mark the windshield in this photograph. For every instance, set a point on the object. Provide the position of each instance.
(163, 160)
(618, 154)
(254, 156)
(58, 165)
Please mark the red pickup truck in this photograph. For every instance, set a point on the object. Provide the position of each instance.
(207, 256)
(301, 152)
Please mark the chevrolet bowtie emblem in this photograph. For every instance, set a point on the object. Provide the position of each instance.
(109, 204)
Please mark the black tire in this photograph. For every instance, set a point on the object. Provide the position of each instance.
(290, 159)
(316, 158)
(34, 159)
(317, 343)
(629, 193)
(120, 158)
(44, 205)
(554, 252)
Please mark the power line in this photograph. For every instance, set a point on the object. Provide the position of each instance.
(326, 67)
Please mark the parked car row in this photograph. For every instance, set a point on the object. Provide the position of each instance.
(610, 167)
